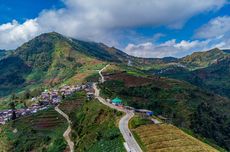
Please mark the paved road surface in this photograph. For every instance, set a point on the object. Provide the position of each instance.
(68, 130)
(123, 123)
(155, 121)
(123, 126)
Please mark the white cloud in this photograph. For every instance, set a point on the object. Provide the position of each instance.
(175, 49)
(14, 34)
(217, 27)
(98, 20)
(151, 50)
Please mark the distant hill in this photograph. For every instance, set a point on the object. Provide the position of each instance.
(214, 78)
(51, 58)
(208, 70)
(199, 60)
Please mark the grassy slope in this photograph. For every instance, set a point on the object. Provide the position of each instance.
(177, 100)
(147, 134)
(48, 60)
(95, 127)
(168, 138)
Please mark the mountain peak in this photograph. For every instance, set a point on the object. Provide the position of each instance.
(215, 50)
(46, 43)
(203, 59)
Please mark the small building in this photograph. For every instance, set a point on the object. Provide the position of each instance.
(117, 101)
(34, 99)
(149, 113)
(90, 95)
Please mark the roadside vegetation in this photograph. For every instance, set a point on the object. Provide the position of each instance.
(95, 126)
(178, 101)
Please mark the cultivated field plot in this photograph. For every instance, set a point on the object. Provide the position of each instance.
(45, 120)
(129, 80)
(168, 138)
(69, 106)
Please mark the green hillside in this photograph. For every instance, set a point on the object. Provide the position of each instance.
(214, 78)
(51, 59)
(94, 128)
(13, 70)
(182, 103)
(199, 60)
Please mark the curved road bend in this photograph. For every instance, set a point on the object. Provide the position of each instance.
(68, 130)
(123, 123)
(100, 73)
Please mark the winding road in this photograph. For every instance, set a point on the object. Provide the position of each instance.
(123, 123)
(66, 134)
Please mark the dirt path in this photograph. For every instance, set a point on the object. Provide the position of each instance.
(66, 134)
(100, 73)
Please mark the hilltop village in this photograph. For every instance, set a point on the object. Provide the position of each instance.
(52, 97)
(47, 99)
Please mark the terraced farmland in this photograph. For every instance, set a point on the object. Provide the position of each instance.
(168, 138)
(73, 102)
(47, 120)
(39, 132)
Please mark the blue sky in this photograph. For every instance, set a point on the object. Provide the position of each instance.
(21, 10)
(140, 28)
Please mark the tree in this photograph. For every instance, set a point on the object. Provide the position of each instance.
(12, 106)
(24, 103)
(13, 117)
(212, 124)
(27, 94)
(13, 96)
(63, 96)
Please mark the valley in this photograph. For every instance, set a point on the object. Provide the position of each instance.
(61, 91)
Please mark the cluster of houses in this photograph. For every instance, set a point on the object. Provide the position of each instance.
(6, 115)
(45, 100)
(53, 97)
